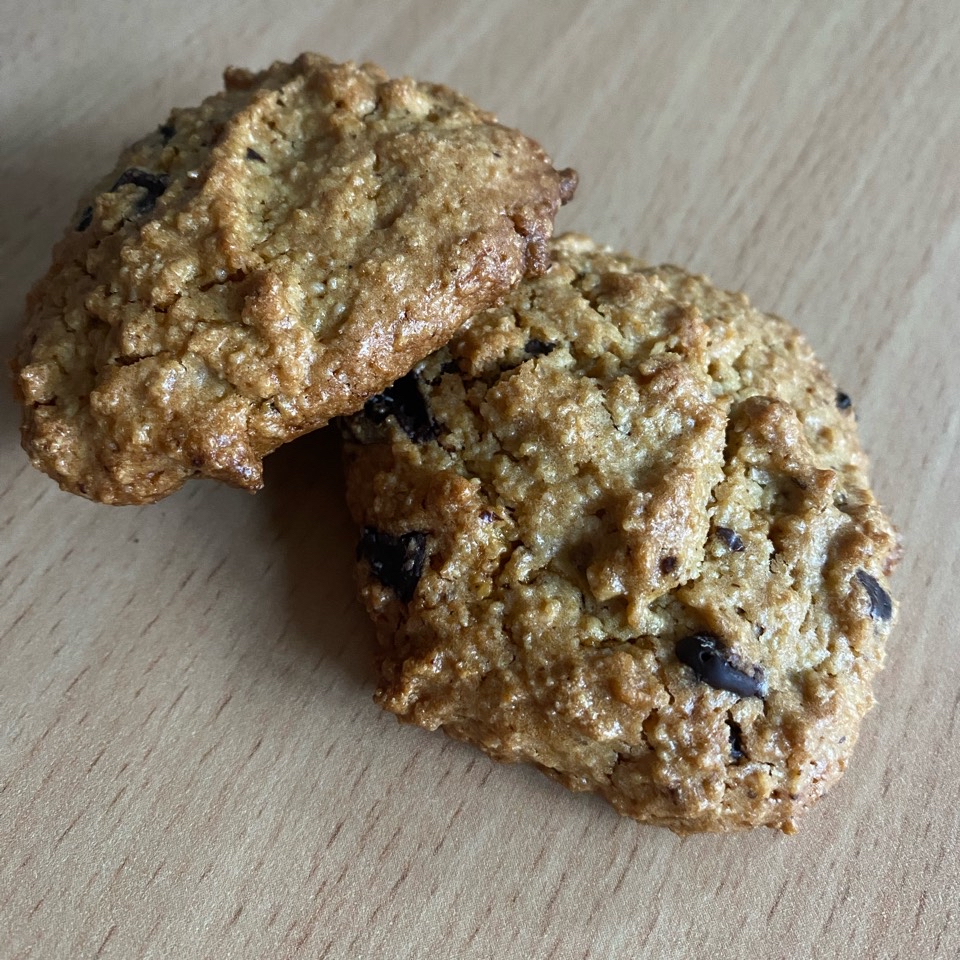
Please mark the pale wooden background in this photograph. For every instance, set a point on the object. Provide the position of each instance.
(191, 764)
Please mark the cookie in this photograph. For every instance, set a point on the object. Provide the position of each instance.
(264, 262)
(620, 527)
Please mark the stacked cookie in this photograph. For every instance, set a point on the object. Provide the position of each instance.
(615, 522)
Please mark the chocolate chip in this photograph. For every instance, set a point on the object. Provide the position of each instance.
(448, 366)
(86, 218)
(568, 184)
(166, 130)
(668, 565)
(539, 348)
(253, 155)
(406, 403)
(717, 665)
(736, 740)
(729, 538)
(881, 606)
(153, 183)
(843, 401)
(397, 562)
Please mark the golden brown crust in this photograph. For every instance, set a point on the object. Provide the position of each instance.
(264, 262)
(619, 462)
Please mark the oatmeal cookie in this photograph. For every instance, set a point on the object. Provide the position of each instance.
(620, 527)
(264, 262)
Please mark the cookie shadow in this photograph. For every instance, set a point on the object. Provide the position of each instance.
(303, 485)
(310, 531)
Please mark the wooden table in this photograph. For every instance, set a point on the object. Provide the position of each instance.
(191, 764)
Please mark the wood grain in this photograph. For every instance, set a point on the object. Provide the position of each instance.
(190, 761)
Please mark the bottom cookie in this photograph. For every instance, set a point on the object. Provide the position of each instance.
(621, 528)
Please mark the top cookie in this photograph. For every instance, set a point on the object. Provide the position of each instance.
(264, 262)
(620, 527)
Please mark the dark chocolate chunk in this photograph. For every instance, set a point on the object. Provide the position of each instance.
(539, 348)
(253, 155)
(843, 401)
(397, 562)
(668, 565)
(881, 606)
(729, 538)
(86, 218)
(717, 665)
(153, 183)
(166, 130)
(448, 366)
(736, 740)
(405, 402)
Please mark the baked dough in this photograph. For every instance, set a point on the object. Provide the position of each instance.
(620, 527)
(264, 262)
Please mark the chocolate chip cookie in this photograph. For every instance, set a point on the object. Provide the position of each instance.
(264, 262)
(620, 527)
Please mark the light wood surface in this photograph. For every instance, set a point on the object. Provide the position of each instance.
(190, 761)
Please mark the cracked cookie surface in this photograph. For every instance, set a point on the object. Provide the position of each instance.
(620, 527)
(264, 262)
